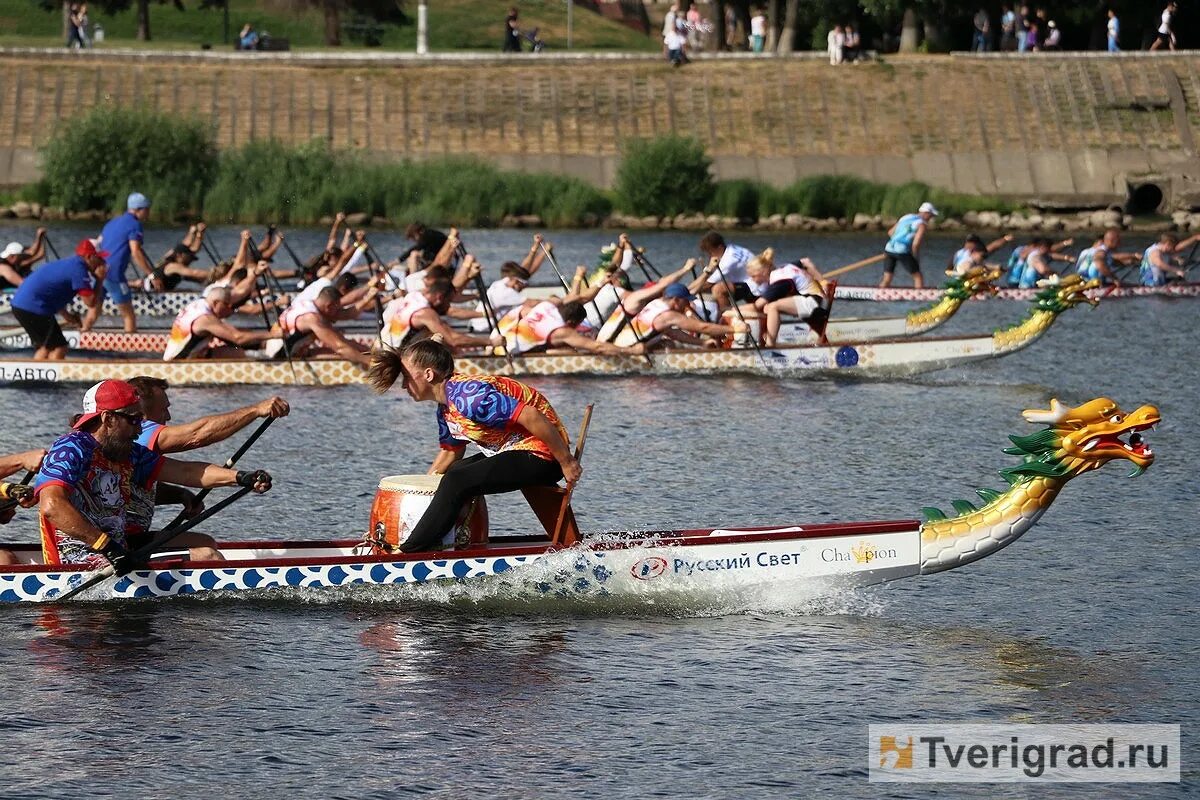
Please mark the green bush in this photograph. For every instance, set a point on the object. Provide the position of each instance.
(95, 160)
(741, 199)
(664, 176)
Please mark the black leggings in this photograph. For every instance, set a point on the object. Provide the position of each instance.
(471, 477)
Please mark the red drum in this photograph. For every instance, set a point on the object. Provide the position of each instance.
(400, 502)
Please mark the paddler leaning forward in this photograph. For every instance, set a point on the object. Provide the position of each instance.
(203, 320)
(523, 443)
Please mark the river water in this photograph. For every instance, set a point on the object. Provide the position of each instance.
(456, 691)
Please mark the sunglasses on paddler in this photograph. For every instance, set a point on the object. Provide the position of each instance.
(133, 419)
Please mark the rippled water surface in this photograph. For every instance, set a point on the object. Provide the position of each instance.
(377, 693)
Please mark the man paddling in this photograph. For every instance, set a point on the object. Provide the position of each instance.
(306, 322)
(523, 443)
(420, 313)
(203, 320)
(83, 486)
(537, 327)
(50, 289)
(1159, 259)
(904, 245)
(730, 272)
(661, 310)
(16, 262)
(158, 437)
(14, 495)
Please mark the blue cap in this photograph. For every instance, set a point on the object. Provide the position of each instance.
(677, 291)
(137, 200)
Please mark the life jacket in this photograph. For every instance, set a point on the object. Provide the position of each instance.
(397, 318)
(525, 331)
(182, 341)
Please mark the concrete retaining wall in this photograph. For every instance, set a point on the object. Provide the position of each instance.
(1068, 129)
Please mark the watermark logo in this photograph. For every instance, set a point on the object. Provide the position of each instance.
(977, 753)
(648, 568)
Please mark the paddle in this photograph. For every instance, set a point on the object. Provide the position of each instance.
(8, 504)
(493, 320)
(833, 273)
(161, 538)
(738, 310)
(566, 501)
(229, 464)
(263, 289)
(53, 249)
(647, 268)
(563, 281)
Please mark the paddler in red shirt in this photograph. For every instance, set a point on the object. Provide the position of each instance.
(523, 443)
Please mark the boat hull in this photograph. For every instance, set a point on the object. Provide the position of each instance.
(929, 294)
(120, 341)
(646, 564)
(882, 359)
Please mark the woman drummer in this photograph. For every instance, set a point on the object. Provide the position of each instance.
(523, 443)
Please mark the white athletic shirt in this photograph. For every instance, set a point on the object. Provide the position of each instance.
(182, 330)
(503, 297)
(798, 276)
(313, 289)
(1165, 28)
(732, 264)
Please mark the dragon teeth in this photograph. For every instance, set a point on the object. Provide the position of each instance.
(1091, 443)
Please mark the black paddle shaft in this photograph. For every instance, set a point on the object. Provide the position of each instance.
(233, 459)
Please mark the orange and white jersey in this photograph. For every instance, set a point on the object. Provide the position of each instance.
(798, 276)
(397, 318)
(183, 341)
(641, 327)
(299, 307)
(527, 330)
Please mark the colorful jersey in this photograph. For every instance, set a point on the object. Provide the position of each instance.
(397, 318)
(1087, 266)
(50, 287)
(525, 330)
(139, 514)
(906, 231)
(298, 308)
(483, 409)
(183, 342)
(99, 489)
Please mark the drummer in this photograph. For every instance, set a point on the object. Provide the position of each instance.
(523, 443)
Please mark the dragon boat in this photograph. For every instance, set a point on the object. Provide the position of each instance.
(907, 293)
(871, 359)
(1075, 440)
(114, 341)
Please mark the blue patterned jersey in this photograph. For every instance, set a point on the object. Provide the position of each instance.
(484, 408)
(99, 489)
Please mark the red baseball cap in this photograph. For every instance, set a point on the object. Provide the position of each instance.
(106, 396)
(88, 248)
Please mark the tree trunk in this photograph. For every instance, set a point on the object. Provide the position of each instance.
(773, 20)
(909, 35)
(743, 14)
(720, 35)
(143, 20)
(66, 28)
(935, 37)
(333, 23)
(787, 37)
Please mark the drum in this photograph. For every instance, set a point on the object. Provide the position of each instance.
(400, 502)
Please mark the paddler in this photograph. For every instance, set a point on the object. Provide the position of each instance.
(203, 320)
(1099, 261)
(420, 314)
(83, 486)
(904, 242)
(793, 289)
(306, 323)
(16, 262)
(50, 289)
(14, 495)
(536, 327)
(661, 309)
(730, 272)
(523, 443)
(158, 437)
(1159, 259)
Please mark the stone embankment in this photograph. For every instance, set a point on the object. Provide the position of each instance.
(1180, 221)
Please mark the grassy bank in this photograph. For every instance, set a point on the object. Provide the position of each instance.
(453, 25)
(96, 159)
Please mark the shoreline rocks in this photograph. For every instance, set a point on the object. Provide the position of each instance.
(1028, 221)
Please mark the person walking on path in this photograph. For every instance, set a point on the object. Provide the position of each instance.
(512, 32)
(981, 43)
(1114, 31)
(1165, 38)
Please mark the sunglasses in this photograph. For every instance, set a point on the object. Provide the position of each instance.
(133, 419)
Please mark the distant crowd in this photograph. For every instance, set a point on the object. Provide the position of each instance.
(1027, 31)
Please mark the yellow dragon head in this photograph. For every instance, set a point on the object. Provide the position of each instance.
(1083, 438)
(976, 280)
(1066, 292)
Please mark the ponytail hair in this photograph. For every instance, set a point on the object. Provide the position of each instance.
(387, 365)
(764, 259)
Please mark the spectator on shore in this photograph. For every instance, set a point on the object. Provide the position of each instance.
(731, 24)
(512, 32)
(983, 32)
(758, 30)
(1008, 29)
(248, 38)
(852, 47)
(74, 30)
(1023, 29)
(671, 19)
(836, 41)
(1033, 36)
(674, 41)
(695, 27)
(1053, 38)
(1165, 37)
(1114, 31)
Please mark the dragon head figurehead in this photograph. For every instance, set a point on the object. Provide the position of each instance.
(1066, 292)
(976, 280)
(1083, 438)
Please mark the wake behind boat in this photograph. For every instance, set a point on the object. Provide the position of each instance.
(646, 564)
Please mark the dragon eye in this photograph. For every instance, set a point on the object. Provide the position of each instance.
(1115, 419)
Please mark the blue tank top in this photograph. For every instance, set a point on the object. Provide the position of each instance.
(1086, 264)
(1150, 273)
(1029, 275)
(906, 231)
(1015, 267)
